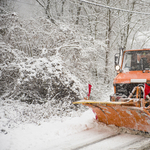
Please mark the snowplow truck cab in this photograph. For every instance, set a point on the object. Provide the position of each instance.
(133, 69)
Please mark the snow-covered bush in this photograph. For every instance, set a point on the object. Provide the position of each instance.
(81, 55)
(44, 68)
(35, 79)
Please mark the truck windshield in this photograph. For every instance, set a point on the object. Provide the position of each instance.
(136, 60)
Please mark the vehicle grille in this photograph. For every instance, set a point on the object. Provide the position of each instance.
(126, 89)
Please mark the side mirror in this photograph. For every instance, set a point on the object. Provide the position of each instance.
(116, 59)
(117, 67)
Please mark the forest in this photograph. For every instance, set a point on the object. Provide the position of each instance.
(52, 49)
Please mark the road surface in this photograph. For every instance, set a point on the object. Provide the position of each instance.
(103, 140)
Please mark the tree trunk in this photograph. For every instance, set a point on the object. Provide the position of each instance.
(128, 24)
(107, 42)
(62, 8)
(78, 13)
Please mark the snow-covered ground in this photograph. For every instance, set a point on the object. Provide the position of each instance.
(34, 137)
(67, 133)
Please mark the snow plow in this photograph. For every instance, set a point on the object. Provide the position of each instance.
(129, 106)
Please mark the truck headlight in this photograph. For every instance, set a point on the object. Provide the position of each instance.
(117, 68)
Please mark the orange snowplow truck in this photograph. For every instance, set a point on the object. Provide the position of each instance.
(133, 69)
(129, 106)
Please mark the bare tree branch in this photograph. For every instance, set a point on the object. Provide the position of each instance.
(41, 3)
